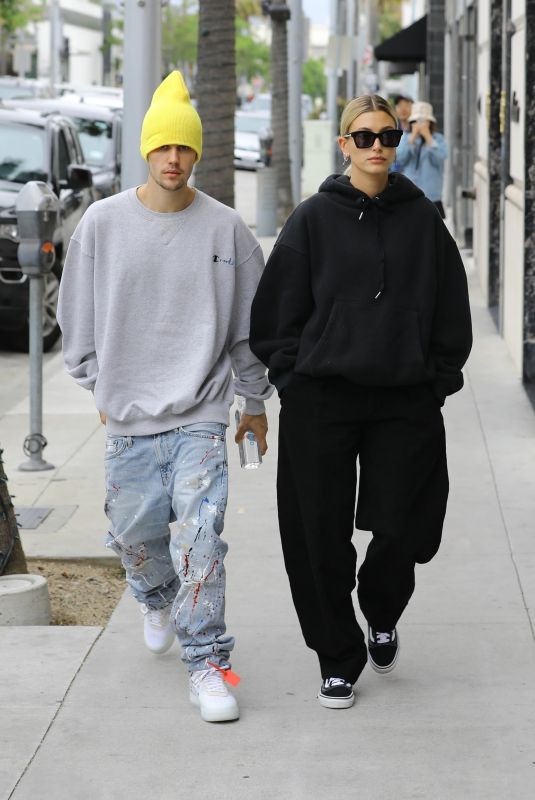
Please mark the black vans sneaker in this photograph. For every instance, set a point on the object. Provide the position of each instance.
(336, 693)
(383, 649)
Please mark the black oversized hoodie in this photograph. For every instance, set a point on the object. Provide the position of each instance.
(370, 289)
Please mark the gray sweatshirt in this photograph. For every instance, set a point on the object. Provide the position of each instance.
(154, 310)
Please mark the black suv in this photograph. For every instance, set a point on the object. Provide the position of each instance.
(46, 148)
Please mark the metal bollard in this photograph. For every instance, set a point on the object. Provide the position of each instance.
(266, 202)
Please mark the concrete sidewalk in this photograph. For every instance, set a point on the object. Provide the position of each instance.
(90, 714)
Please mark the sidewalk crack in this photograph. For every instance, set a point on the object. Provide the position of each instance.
(60, 706)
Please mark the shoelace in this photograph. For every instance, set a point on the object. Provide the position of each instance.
(211, 680)
(159, 617)
(384, 637)
(331, 682)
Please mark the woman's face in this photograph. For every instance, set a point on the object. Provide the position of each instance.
(371, 161)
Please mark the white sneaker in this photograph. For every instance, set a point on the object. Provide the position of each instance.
(158, 631)
(209, 692)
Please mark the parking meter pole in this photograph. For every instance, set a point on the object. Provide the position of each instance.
(266, 202)
(35, 442)
(37, 210)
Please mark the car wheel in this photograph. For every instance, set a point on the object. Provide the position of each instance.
(51, 331)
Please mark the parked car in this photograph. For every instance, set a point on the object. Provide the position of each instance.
(44, 148)
(99, 131)
(106, 96)
(252, 139)
(262, 102)
(11, 87)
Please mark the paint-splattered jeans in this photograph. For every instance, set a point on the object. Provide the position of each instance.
(150, 481)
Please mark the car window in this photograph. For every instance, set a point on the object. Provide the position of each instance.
(250, 124)
(15, 92)
(80, 158)
(259, 103)
(74, 154)
(96, 139)
(22, 153)
(63, 157)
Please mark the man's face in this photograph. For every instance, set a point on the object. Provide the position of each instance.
(171, 165)
(403, 110)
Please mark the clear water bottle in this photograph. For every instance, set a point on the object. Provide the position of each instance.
(250, 456)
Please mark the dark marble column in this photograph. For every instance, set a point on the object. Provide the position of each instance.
(495, 146)
(436, 29)
(529, 207)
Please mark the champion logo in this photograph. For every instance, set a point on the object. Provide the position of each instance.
(217, 259)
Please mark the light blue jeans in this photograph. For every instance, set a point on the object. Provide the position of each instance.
(180, 475)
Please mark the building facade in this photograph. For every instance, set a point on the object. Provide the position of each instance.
(490, 89)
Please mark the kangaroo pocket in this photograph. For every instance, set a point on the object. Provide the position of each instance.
(376, 345)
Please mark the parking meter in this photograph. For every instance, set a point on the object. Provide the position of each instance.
(37, 209)
(266, 148)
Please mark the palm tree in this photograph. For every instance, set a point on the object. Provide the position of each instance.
(216, 97)
(12, 558)
(279, 108)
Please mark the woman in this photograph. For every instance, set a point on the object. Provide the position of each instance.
(362, 317)
(422, 153)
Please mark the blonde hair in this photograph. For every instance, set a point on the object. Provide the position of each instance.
(361, 105)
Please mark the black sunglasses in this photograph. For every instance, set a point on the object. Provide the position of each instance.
(389, 138)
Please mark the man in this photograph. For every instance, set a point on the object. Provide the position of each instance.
(403, 106)
(154, 308)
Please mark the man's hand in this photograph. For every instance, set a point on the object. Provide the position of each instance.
(257, 424)
(103, 417)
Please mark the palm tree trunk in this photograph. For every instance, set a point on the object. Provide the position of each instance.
(216, 97)
(279, 113)
(12, 558)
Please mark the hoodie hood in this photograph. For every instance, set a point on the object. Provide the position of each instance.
(399, 190)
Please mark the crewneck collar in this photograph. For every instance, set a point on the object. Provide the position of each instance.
(148, 213)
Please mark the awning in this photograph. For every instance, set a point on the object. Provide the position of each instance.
(408, 44)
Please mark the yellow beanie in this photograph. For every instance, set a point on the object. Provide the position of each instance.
(171, 118)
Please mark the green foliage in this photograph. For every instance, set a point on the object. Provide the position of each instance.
(389, 14)
(179, 35)
(248, 8)
(314, 78)
(179, 42)
(15, 15)
(252, 57)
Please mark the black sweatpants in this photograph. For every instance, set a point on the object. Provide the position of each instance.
(397, 434)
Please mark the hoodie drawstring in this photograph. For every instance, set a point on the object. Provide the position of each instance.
(377, 204)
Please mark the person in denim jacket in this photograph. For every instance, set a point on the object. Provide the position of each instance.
(422, 152)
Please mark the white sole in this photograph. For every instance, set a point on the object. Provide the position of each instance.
(227, 715)
(336, 702)
(384, 670)
(162, 650)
